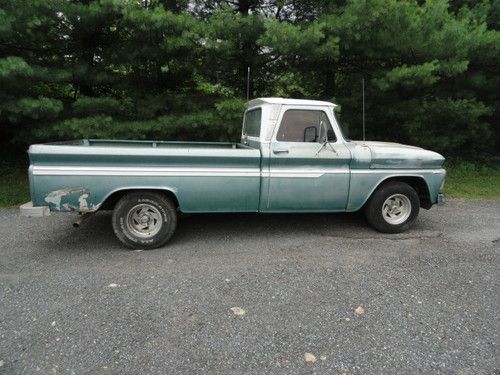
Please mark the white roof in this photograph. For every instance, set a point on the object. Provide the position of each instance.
(285, 101)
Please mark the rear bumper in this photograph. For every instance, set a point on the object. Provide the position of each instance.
(29, 210)
(441, 199)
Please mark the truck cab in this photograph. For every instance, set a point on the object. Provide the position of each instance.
(305, 159)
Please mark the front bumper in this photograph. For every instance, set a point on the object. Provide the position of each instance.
(29, 210)
(441, 199)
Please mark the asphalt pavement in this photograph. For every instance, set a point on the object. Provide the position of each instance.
(254, 294)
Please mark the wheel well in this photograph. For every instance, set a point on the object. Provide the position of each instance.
(417, 183)
(110, 201)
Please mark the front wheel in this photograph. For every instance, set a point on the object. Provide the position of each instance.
(144, 220)
(393, 207)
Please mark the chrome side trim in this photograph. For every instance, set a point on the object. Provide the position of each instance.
(144, 171)
(392, 171)
(177, 171)
(213, 172)
(302, 173)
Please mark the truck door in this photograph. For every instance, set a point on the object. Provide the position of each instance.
(305, 173)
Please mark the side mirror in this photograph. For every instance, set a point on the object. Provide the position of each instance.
(310, 134)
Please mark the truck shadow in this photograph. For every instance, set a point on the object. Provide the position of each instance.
(252, 225)
(96, 233)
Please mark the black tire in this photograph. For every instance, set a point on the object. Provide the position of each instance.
(396, 190)
(159, 215)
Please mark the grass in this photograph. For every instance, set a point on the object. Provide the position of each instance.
(464, 181)
(14, 186)
(472, 181)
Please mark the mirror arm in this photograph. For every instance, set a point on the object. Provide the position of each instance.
(320, 148)
(333, 149)
(326, 142)
(324, 145)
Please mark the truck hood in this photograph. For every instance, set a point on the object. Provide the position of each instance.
(396, 155)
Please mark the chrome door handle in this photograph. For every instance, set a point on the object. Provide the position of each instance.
(280, 149)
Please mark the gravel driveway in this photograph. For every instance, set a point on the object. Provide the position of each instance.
(254, 294)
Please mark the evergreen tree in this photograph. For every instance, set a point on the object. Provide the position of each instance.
(177, 69)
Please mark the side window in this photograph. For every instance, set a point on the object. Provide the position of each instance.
(251, 125)
(295, 122)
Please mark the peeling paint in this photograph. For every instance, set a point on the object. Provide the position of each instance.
(70, 199)
(83, 202)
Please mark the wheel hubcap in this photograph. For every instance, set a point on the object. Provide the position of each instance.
(396, 209)
(144, 220)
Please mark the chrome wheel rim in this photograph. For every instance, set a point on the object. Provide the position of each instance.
(144, 220)
(396, 209)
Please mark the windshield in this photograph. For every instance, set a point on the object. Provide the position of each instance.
(251, 123)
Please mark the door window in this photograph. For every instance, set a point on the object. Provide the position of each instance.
(295, 122)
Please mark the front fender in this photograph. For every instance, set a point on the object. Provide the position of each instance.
(365, 181)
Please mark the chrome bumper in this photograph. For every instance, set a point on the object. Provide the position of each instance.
(441, 199)
(29, 210)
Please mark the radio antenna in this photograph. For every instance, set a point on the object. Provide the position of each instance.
(363, 87)
(248, 83)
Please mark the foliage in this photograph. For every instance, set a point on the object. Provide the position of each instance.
(14, 185)
(177, 69)
(472, 180)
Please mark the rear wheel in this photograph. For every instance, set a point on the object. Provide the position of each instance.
(393, 207)
(144, 220)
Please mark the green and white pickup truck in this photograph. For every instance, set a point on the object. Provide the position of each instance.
(292, 157)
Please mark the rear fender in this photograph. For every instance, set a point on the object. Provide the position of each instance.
(110, 199)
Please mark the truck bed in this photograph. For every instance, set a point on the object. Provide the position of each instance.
(148, 144)
(81, 175)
